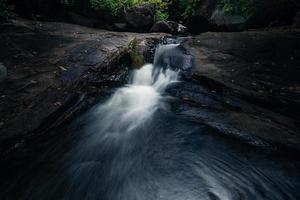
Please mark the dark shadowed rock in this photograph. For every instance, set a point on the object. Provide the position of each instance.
(55, 71)
(140, 17)
(257, 75)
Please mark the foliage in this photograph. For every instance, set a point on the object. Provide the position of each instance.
(189, 8)
(6, 11)
(118, 7)
(161, 8)
(182, 9)
(161, 16)
(249, 8)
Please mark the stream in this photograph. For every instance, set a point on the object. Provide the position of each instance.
(137, 145)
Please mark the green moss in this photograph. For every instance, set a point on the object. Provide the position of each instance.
(161, 16)
(137, 58)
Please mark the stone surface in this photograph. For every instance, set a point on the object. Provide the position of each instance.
(56, 69)
(253, 83)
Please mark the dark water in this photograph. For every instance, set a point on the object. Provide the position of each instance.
(136, 146)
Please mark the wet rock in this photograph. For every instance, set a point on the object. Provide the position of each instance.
(56, 70)
(140, 17)
(255, 79)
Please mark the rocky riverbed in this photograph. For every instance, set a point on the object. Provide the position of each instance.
(57, 69)
(246, 84)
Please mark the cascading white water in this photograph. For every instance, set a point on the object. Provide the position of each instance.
(133, 104)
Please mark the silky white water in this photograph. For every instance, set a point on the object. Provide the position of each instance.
(135, 103)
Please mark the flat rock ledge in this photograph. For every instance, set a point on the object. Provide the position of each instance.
(54, 70)
(257, 76)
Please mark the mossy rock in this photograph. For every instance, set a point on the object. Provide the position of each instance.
(136, 54)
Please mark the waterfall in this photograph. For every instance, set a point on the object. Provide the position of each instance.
(135, 103)
(115, 130)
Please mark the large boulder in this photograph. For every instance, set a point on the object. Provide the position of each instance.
(257, 75)
(140, 17)
(168, 27)
(53, 70)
